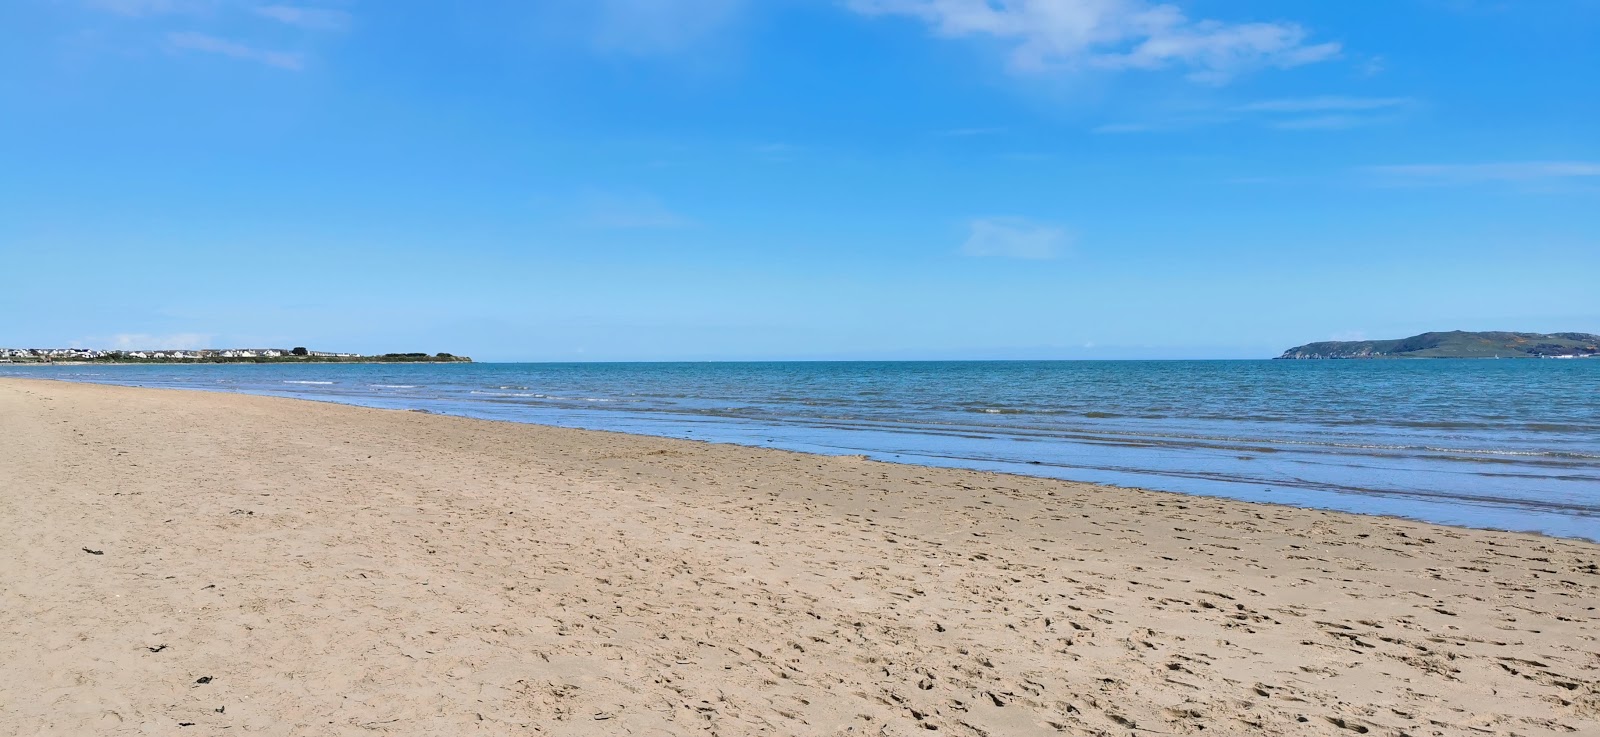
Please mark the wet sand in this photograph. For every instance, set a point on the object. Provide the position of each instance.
(244, 564)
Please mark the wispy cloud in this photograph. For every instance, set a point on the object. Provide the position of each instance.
(1130, 128)
(645, 27)
(1481, 7)
(1010, 237)
(1508, 171)
(146, 7)
(627, 212)
(209, 13)
(969, 132)
(316, 19)
(1046, 35)
(209, 44)
(1326, 122)
(1325, 112)
(1175, 123)
(1324, 104)
(776, 152)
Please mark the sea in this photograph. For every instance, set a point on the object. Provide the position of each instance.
(1508, 444)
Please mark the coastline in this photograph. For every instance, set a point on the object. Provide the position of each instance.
(228, 363)
(1475, 469)
(343, 569)
(364, 361)
(917, 462)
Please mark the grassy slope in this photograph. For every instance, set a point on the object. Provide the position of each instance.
(1454, 344)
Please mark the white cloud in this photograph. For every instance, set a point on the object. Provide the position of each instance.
(316, 19)
(1324, 104)
(1015, 238)
(213, 45)
(969, 132)
(1510, 171)
(145, 341)
(1112, 34)
(776, 152)
(1161, 126)
(145, 7)
(1326, 112)
(635, 211)
(658, 26)
(1326, 122)
(1131, 128)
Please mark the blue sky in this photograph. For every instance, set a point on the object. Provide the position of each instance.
(777, 179)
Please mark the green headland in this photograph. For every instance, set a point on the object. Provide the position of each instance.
(1457, 344)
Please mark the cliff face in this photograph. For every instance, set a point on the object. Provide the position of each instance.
(1456, 344)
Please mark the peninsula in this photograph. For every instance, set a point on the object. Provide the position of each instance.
(1457, 344)
(215, 355)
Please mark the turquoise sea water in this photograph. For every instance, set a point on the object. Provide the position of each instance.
(1512, 444)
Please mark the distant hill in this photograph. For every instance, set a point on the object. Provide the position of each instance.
(1456, 344)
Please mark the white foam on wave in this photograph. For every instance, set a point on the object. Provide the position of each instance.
(310, 382)
(393, 386)
(510, 394)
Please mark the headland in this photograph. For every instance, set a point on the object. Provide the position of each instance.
(1457, 344)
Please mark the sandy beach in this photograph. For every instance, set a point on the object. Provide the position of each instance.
(193, 563)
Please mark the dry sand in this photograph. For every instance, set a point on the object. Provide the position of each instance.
(337, 570)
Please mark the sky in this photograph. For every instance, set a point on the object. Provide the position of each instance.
(795, 179)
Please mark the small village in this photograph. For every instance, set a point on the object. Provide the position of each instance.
(56, 355)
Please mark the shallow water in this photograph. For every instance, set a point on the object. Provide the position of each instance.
(1512, 444)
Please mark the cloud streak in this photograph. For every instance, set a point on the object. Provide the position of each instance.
(1326, 122)
(1047, 35)
(1165, 126)
(315, 19)
(1325, 112)
(647, 27)
(627, 212)
(1509, 171)
(971, 132)
(1325, 104)
(1016, 238)
(209, 44)
(138, 8)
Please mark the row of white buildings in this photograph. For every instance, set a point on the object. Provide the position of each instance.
(89, 354)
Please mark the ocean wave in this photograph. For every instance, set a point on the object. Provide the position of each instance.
(310, 382)
(511, 394)
(393, 386)
(1528, 453)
